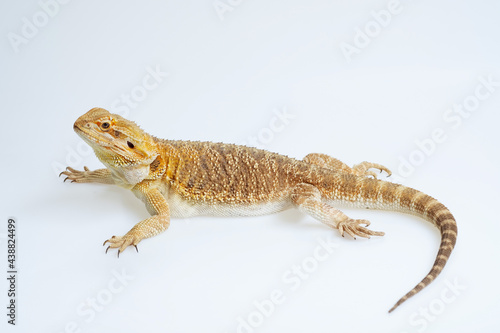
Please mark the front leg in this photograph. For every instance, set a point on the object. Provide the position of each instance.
(102, 176)
(158, 207)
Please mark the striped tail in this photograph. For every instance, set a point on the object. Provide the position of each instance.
(377, 194)
(435, 212)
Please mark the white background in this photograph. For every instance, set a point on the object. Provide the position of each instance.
(228, 74)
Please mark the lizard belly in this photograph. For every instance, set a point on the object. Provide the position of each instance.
(182, 208)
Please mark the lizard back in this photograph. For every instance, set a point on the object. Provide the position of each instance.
(228, 173)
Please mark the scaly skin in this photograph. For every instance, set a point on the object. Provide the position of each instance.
(184, 178)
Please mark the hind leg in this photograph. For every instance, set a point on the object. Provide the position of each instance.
(307, 198)
(361, 169)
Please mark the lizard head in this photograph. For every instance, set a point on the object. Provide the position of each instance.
(116, 141)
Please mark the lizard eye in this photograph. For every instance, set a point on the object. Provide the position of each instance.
(130, 144)
(105, 125)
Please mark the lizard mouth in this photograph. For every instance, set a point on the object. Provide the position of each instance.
(81, 133)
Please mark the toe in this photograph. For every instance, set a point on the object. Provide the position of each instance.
(351, 232)
(362, 232)
(365, 222)
(126, 243)
(341, 230)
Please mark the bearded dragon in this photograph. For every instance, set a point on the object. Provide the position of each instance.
(187, 178)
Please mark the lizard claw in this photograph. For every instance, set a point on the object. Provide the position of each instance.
(354, 228)
(121, 243)
(74, 175)
(108, 241)
(362, 169)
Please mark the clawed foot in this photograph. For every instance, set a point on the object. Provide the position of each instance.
(363, 169)
(76, 176)
(354, 228)
(121, 242)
